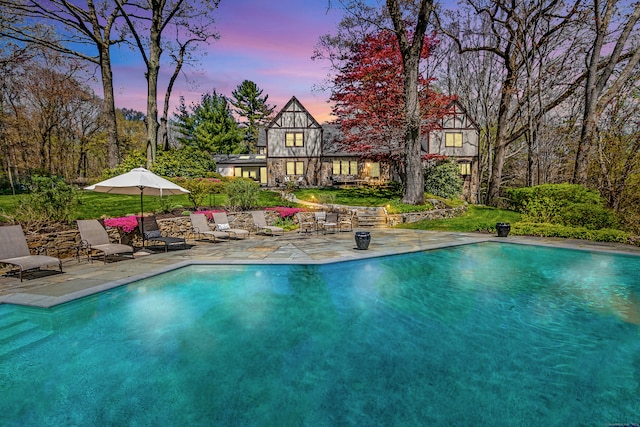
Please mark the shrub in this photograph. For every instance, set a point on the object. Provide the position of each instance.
(243, 193)
(442, 178)
(49, 199)
(285, 212)
(200, 188)
(557, 230)
(564, 204)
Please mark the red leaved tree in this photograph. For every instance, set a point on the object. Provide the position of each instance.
(368, 98)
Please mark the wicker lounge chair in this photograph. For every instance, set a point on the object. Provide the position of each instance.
(222, 224)
(260, 222)
(15, 251)
(151, 233)
(200, 227)
(95, 238)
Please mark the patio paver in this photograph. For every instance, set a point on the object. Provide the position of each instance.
(45, 289)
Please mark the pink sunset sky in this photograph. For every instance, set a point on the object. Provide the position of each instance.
(267, 42)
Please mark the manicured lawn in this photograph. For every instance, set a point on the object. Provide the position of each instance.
(477, 218)
(97, 205)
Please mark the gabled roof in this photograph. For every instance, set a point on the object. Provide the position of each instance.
(457, 106)
(293, 106)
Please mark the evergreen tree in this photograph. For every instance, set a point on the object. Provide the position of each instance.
(209, 126)
(253, 107)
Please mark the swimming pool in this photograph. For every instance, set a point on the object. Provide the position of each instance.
(485, 334)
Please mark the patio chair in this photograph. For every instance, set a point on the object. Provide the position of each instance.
(15, 251)
(330, 223)
(95, 238)
(222, 224)
(260, 222)
(346, 222)
(306, 226)
(320, 218)
(151, 233)
(200, 227)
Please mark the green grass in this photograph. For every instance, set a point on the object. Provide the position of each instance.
(97, 205)
(477, 218)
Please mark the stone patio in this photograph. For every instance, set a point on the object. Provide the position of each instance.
(81, 278)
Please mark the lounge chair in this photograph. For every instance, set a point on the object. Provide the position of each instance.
(222, 224)
(306, 225)
(95, 238)
(15, 251)
(151, 233)
(260, 222)
(200, 227)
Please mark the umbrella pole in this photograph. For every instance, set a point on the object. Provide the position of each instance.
(142, 217)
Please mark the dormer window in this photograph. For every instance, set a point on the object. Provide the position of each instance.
(294, 139)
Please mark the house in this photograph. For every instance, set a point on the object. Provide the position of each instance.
(294, 147)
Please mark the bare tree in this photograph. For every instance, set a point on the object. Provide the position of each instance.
(89, 24)
(504, 29)
(147, 21)
(606, 73)
(181, 54)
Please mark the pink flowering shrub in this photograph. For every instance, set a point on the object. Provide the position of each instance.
(126, 223)
(208, 213)
(286, 212)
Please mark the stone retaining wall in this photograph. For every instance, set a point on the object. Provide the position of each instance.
(65, 244)
(408, 218)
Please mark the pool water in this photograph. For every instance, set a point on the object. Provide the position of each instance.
(486, 334)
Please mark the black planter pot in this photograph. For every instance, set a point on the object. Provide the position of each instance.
(363, 238)
(503, 229)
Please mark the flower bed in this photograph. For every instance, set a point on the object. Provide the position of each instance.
(125, 223)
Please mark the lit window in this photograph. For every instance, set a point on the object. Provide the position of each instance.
(374, 170)
(465, 168)
(453, 139)
(294, 139)
(336, 167)
(295, 168)
(353, 167)
(345, 167)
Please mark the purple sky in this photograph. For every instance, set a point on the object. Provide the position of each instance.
(267, 41)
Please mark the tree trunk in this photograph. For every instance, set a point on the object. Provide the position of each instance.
(152, 96)
(413, 192)
(109, 108)
(414, 185)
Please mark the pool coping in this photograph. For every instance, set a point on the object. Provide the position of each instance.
(444, 240)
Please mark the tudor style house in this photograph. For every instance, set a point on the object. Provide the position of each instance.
(294, 147)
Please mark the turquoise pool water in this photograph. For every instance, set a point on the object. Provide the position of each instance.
(488, 334)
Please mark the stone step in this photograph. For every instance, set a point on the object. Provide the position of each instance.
(17, 334)
(371, 217)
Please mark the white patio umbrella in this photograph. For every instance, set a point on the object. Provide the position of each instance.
(138, 181)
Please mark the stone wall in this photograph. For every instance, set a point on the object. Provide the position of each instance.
(66, 244)
(408, 218)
